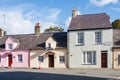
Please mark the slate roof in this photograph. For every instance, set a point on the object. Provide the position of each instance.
(90, 21)
(31, 41)
(116, 37)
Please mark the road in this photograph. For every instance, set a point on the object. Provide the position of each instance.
(45, 74)
(41, 76)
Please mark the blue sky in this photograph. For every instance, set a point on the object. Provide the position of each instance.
(21, 15)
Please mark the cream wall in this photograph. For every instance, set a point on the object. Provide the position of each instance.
(116, 52)
(52, 42)
(34, 63)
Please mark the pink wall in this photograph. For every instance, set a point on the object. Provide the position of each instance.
(14, 53)
(25, 58)
(10, 40)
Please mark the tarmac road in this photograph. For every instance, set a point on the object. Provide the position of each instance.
(42, 76)
(48, 74)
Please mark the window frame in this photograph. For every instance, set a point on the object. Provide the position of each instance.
(80, 38)
(61, 59)
(89, 57)
(10, 46)
(20, 58)
(49, 45)
(98, 37)
(118, 59)
(0, 57)
(40, 58)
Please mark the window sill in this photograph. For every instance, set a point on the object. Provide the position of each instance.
(80, 44)
(19, 61)
(89, 64)
(62, 62)
(40, 61)
(98, 44)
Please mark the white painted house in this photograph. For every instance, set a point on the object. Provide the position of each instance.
(90, 41)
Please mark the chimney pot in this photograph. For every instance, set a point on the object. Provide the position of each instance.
(37, 24)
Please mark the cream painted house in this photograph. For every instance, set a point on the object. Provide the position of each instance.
(116, 48)
(50, 50)
(49, 58)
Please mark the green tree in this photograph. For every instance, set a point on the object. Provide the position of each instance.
(116, 23)
(54, 29)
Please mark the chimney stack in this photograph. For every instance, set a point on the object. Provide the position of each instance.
(2, 32)
(37, 29)
(74, 12)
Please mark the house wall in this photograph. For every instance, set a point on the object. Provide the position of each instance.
(34, 63)
(116, 52)
(76, 51)
(15, 63)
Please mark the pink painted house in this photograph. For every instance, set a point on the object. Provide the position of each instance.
(12, 54)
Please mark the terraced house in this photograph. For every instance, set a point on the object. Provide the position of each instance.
(90, 41)
(93, 42)
(38, 50)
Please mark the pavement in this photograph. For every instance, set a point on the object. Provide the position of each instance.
(84, 74)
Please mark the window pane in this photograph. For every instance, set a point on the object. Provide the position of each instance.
(94, 57)
(49, 45)
(61, 58)
(20, 58)
(89, 57)
(98, 37)
(40, 58)
(84, 61)
(118, 59)
(0, 58)
(10, 46)
(81, 38)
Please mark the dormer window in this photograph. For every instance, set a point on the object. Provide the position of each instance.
(10, 46)
(49, 45)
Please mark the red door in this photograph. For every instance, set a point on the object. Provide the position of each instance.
(9, 60)
(104, 59)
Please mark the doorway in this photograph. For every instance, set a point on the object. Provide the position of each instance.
(51, 60)
(9, 60)
(104, 59)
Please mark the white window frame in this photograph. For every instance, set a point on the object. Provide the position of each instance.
(98, 37)
(89, 59)
(62, 60)
(10, 46)
(40, 58)
(80, 38)
(18, 58)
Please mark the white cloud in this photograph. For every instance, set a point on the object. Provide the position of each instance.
(19, 21)
(15, 23)
(116, 9)
(100, 3)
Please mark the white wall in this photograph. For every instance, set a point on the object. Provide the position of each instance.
(76, 51)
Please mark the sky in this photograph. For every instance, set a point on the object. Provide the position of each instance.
(22, 15)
